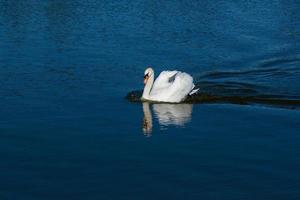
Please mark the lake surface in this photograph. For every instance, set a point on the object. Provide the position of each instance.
(68, 132)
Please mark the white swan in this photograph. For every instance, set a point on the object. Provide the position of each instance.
(170, 86)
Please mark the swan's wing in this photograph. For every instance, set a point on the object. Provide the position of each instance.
(173, 88)
(181, 87)
(164, 80)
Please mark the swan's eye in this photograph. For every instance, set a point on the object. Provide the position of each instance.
(146, 76)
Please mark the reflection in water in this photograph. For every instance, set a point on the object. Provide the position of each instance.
(147, 121)
(176, 114)
(167, 114)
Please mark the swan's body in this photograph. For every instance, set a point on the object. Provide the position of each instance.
(170, 86)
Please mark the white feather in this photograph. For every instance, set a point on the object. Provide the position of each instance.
(170, 86)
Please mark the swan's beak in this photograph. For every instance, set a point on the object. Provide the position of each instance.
(146, 77)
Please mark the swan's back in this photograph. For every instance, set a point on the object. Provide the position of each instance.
(164, 80)
(172, 86)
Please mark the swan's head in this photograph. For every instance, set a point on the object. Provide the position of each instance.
(147, 74)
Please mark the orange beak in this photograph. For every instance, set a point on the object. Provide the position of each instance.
(146, 77)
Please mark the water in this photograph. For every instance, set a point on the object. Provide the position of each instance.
(68, 132)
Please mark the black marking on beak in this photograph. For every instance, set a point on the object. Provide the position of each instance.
(146, 76)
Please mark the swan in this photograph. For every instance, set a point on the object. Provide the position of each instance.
(169, 86)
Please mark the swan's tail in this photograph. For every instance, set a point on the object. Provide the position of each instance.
(194, 91)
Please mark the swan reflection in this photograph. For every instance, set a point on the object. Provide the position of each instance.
(167, 114)
(147, 121)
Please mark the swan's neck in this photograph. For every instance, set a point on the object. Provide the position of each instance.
(148, 87)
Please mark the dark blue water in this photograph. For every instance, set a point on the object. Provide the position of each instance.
(67, 131)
